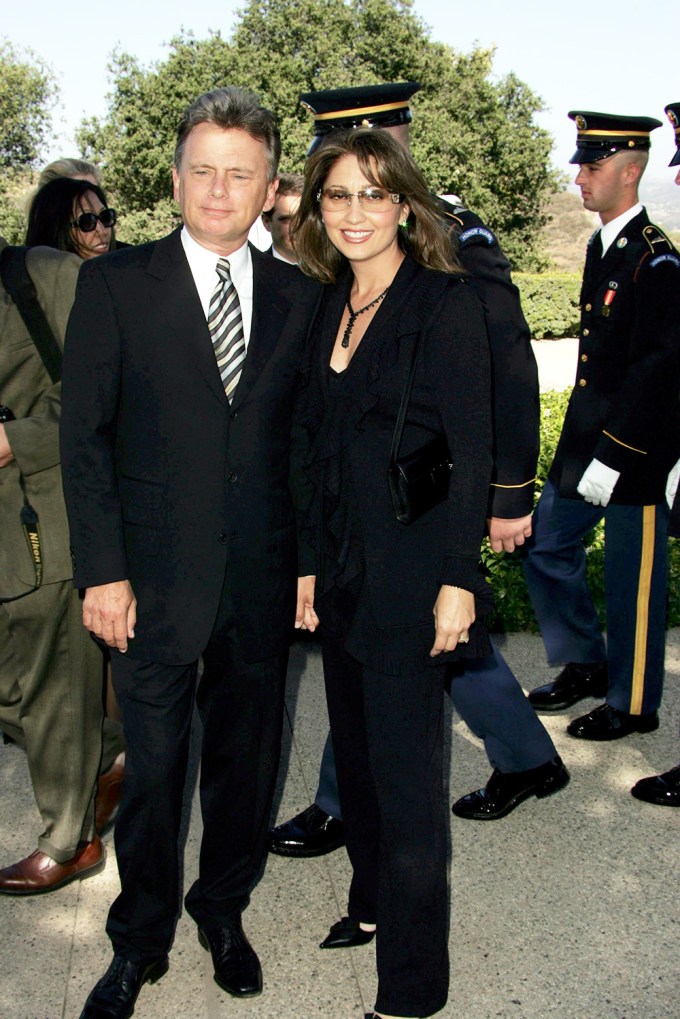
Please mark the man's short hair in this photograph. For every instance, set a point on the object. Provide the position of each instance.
(289, 184)
(232, 107)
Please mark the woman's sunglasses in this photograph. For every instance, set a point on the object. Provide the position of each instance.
(87, 221)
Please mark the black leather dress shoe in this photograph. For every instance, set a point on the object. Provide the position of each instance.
(606, 722)
(573, 684)
(237, 967)
(311, 833)
(346, 933)
(505, 791)
(662, 789)
(114, 996)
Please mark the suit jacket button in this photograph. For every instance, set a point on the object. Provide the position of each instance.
(584, 357)
(222, 538)
(582, 382)
(232, 476)
(586, 332)
(589, 307)
(232, 415)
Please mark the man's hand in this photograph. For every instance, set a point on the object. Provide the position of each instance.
(672, 484)
(110, 613)
(6, 454)
(505, 535)
(305, 616)
(454, 614)
(598, 482)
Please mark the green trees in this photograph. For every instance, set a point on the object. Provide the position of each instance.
(472, 135)
(27, 93)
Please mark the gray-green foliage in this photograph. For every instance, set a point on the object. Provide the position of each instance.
(472, 134)
(550, 302)
(27, 94)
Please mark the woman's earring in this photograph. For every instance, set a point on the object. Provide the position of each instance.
(403, 223)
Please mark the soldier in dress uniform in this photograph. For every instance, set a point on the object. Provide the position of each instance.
(664, 789)
(484, 692)
(618, 443)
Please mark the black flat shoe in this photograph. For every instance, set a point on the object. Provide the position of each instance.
(664, 790)
(114, 996)
(505, 791)
(237, 967)
(573, 684)
(606, 723)
(346, 933)
(313, 832)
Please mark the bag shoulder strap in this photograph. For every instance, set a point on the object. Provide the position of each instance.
(422, 308)
(19, 285)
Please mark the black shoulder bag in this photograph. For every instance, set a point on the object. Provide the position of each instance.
(19, 285)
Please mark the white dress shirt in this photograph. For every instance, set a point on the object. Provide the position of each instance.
(203, 262)
(613, 228)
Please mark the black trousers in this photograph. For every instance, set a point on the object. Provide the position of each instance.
(387, 738)
(241, 707)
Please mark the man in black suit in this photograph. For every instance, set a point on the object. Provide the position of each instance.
(178, 391)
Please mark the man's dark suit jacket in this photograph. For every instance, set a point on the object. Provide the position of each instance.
(166, 484)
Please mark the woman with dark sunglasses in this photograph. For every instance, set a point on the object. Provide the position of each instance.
(72, 215)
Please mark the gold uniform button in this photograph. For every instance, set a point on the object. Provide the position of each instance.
(582, 383)
(589, 307)
(586, 332)
(584, 357)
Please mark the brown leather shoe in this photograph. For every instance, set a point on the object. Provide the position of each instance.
(108, 794)
(40, 873)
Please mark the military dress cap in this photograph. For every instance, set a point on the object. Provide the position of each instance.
(673, 114)
(339, 109)
(602, 134)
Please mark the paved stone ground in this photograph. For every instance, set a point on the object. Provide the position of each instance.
(566, 909)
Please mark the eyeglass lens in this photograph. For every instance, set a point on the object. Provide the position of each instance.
(87, 221)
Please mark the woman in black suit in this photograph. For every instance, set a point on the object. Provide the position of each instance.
(395, 602)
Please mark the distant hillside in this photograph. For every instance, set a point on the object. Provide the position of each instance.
(566, 235)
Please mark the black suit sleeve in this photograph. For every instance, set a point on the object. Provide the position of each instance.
(91, 384)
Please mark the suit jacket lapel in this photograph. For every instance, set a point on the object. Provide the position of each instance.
(174, 292)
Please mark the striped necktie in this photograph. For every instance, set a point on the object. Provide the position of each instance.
(226, 329)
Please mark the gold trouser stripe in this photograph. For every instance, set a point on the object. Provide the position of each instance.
(642, 618)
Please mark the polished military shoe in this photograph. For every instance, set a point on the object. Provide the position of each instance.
(237, 967)
(661, 789)
(310, 833)
(574, 682)
(606, 723)
(506, 790)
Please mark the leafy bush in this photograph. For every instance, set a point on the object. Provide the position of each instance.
(513, 606)
(550, 301)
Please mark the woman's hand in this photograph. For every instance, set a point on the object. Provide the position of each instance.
(305, 616)
(454, 614)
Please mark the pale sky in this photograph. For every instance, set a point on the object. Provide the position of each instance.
(615, 56)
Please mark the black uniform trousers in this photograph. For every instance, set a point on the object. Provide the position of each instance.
(635, 573)
(241, 708)
(387, 735)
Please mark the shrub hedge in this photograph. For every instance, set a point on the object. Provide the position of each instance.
(550, 303)
(513, 607)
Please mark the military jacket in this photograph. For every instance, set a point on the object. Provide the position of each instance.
(513, 365)
(623, 408)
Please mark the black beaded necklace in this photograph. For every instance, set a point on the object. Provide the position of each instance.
(353, 315)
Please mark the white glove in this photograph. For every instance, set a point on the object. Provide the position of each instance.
(672, 484)
(597, 484)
